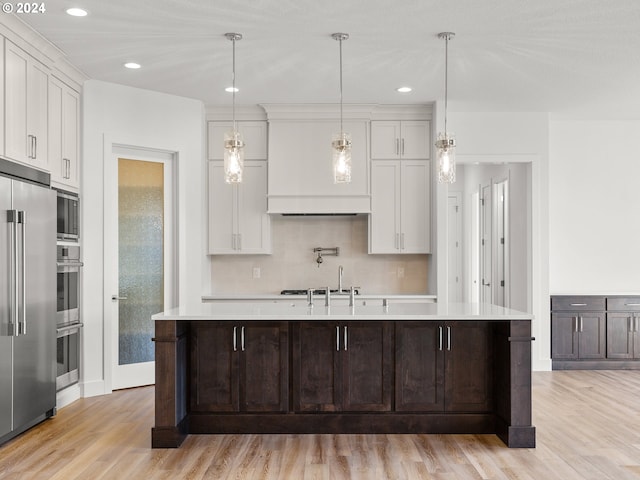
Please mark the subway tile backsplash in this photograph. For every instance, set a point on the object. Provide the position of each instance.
(292, 264)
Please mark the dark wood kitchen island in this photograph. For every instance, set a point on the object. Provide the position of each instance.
(405, 368)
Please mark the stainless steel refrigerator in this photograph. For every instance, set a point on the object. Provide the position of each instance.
(27, 299)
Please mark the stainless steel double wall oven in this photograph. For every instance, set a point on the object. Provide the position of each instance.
(68, 315)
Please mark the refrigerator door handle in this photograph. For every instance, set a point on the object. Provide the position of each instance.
(22, 219)
(12, 218)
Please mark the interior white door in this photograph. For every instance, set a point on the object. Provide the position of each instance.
(486, 242)
(454, 241)
(139, 258)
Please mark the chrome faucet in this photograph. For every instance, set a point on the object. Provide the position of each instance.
(340, 272)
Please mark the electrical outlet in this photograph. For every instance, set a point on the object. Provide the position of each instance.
(400, 272)
(256, 272)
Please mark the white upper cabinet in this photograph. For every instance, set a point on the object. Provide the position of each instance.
(64, 127)
(254, 135)
(400, 207)
(301, 169)
(396, 139)
(25, 98)
(238, 220)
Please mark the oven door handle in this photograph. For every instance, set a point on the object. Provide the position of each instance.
(70, 264)
(69, 327)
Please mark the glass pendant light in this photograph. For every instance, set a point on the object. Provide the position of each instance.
(233, 144)
(341, 144)
(446, 143)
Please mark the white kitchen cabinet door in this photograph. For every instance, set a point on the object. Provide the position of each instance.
(238, 222)
(400, 220)
(384, 222)
(385, 140)
(416, 139)
(254, 134)
(406, 139)
(26, 120)
(415, 215)
(64, 123)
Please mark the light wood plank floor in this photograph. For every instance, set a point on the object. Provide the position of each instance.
(588, 427)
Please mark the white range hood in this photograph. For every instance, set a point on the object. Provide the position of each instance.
(300, 179)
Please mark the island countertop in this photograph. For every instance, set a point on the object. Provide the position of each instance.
(295, 312)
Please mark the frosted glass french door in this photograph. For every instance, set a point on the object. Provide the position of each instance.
(141, 269)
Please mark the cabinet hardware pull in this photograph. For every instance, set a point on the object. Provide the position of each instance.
(397, 146)
(448, 338)
(337, 339)
(578, 304)
(35, 147)
(403, 146)
(581, 324)
(242, 338)
(345, 338)
(574, 325)
(235, 336)
(440, 338)
(632, 304)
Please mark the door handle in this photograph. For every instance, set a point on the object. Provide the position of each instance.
(115, 298)
(440, 338)
(345, 338)
(22, 218)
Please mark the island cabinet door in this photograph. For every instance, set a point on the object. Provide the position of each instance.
(367, 366)
(214, 367)
(317, 379)
(264, 367)
(239, 367)
(419, 367)
(342, 366)
(468, 366)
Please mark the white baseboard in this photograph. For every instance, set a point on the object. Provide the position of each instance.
(67, 396)
(94, 389)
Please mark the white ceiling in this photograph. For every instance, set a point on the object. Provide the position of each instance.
(566, 56)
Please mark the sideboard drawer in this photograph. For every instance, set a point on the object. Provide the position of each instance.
(626, 304)
(577, 303)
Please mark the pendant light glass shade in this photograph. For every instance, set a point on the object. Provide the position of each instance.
(233, 157)
(233, 144)
(341, 147)
(341, 144)
(446, 143)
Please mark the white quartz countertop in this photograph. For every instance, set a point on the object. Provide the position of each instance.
(334, 296)
(284, 311)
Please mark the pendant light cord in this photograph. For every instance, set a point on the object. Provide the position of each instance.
(233, 86)
(341, 129)
(446, 81)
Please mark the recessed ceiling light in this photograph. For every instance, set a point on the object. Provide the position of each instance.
(231, 89)
(403, 89)
(77, 12)
(132, 65)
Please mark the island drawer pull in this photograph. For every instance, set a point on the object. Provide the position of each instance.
(448, 338)
(242, 338)
(578, 304)
(337, 339)
(632, 304)
(440, 338)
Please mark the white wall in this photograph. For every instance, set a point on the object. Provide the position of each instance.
(594, 185)
(489, 137)
(146, 119)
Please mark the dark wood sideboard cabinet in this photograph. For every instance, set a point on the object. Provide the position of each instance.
(373, 376)
(595, 332)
